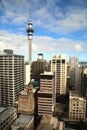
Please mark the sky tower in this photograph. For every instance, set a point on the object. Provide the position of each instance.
(30, 36)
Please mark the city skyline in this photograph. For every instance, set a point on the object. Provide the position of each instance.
(59, 27)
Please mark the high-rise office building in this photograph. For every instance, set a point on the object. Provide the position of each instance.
(84, 81)
(77, 107)
(59, 67)
(11, 78)
(74, 71)
(38, 67)
(46, 94)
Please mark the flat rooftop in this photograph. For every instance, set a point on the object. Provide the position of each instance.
(47, 123)
(76, 94)
(23, 120)
(47, 73)
(2, 109)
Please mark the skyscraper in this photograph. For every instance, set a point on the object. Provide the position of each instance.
(59, 67)
(11, 78)
(75, 72)
(84, 81)
(46, 94)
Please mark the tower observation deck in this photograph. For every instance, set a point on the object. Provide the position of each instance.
(30, 36)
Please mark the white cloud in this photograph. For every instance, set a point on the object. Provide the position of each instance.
(19, 20)
(40, 43)
(12, 41)
(46, 14)
(78, 48)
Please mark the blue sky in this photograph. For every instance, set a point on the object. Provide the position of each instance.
(60, 26)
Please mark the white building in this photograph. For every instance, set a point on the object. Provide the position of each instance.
(59, 67)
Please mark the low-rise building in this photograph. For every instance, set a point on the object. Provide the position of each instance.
(24, 122)
(7, 116)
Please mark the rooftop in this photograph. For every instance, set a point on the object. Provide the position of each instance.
(76, 95)
(23, 120)
(25, 91)
(47, 123)
(47, 73)
(5, 112)
(2, 109)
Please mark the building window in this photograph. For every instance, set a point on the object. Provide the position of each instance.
(63, 61)
(58, 61)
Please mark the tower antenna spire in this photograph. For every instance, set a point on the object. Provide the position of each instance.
(30, 14)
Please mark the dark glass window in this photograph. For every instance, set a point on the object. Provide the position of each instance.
(58, 61)
(63, 61)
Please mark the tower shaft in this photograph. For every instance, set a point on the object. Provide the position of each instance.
(30, 51)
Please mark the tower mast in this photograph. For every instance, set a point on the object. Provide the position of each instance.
(30, 36)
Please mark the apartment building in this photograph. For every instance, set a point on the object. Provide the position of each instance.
(59, 67)
(11, 78)
(77, 107)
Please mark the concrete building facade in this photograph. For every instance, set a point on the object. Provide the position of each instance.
(26, 101)
(46, 94)
(59, 67)
(11, 78)
(77, 107)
